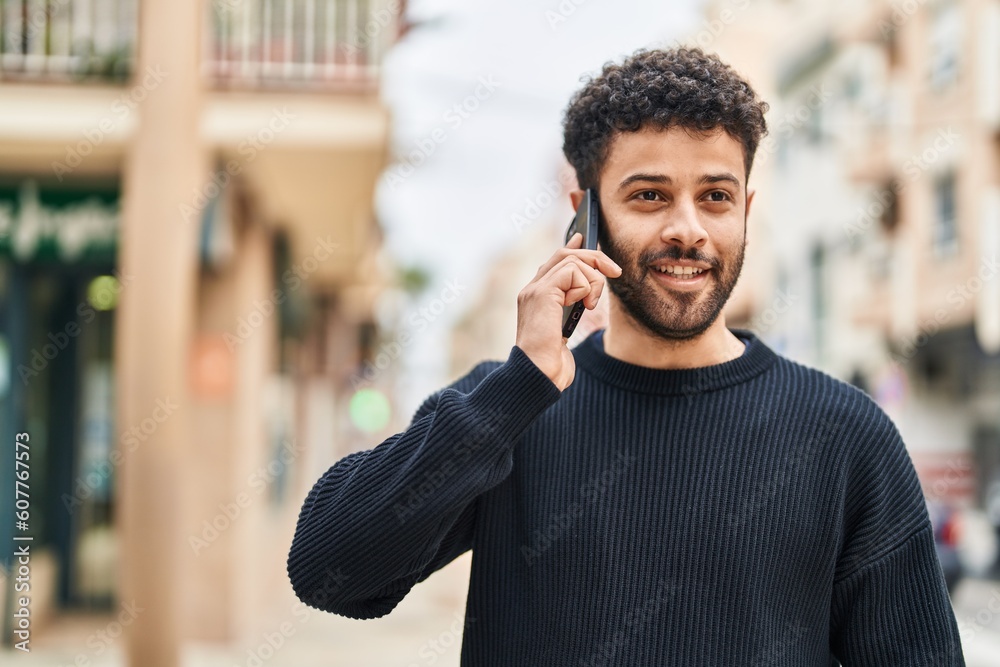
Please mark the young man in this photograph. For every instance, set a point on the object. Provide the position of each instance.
(669, 492)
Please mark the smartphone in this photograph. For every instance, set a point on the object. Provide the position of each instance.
(587, 217)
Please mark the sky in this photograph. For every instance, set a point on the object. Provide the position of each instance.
(476, 92)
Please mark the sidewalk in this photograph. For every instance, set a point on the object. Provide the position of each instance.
(424, 629)
(977, 609)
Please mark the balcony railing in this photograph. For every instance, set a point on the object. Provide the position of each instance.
(248, 43)
(67, 39)
(298, 43)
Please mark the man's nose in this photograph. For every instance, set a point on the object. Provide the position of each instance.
(683, 227)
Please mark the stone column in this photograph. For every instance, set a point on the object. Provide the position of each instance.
(165, 166)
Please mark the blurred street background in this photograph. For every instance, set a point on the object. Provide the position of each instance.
(240, 239)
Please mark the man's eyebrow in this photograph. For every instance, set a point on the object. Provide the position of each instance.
(716, 178)
(647, 178)
(666, 180)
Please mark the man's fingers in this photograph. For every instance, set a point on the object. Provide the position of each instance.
(579, 284)
(595, 295)
(599, 261)
(578, 281)
(595, 284)
(575, 243)
(610, 267)
(594, 258)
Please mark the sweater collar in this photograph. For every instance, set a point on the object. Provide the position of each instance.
(756, 358)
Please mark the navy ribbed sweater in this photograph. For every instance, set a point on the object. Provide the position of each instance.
(755, 512)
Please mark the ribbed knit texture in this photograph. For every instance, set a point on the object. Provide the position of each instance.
(756, 512)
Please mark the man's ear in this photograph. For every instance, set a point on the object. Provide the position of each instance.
(575, 197)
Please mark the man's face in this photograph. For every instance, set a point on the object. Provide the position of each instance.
(674, 200)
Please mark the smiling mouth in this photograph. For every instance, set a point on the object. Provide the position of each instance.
(680, 273)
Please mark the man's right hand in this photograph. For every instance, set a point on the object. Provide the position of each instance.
(571, 274)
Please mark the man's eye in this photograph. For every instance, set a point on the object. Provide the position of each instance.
(648, 195)
(718, 195)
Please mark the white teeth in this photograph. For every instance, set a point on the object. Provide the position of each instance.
(685, 271)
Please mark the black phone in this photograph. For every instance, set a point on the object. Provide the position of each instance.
(588, 215)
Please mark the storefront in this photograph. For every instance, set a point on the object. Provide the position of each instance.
(58, 292)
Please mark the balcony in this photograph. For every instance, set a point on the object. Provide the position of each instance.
(302, 44)
(67, 40)
(314, 45)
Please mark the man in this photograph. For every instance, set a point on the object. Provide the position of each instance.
(670, 491)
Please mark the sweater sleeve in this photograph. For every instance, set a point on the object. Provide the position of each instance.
(379, 521)
(890, 605)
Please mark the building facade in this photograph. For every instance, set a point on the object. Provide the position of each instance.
(187, 267)
(884, 221)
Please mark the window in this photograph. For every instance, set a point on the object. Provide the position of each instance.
(890, 206)
(945, 230)
(945, 44)
(817, 288)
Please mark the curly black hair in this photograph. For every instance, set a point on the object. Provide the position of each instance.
(682, 87)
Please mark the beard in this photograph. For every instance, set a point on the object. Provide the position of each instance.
(679, 315)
